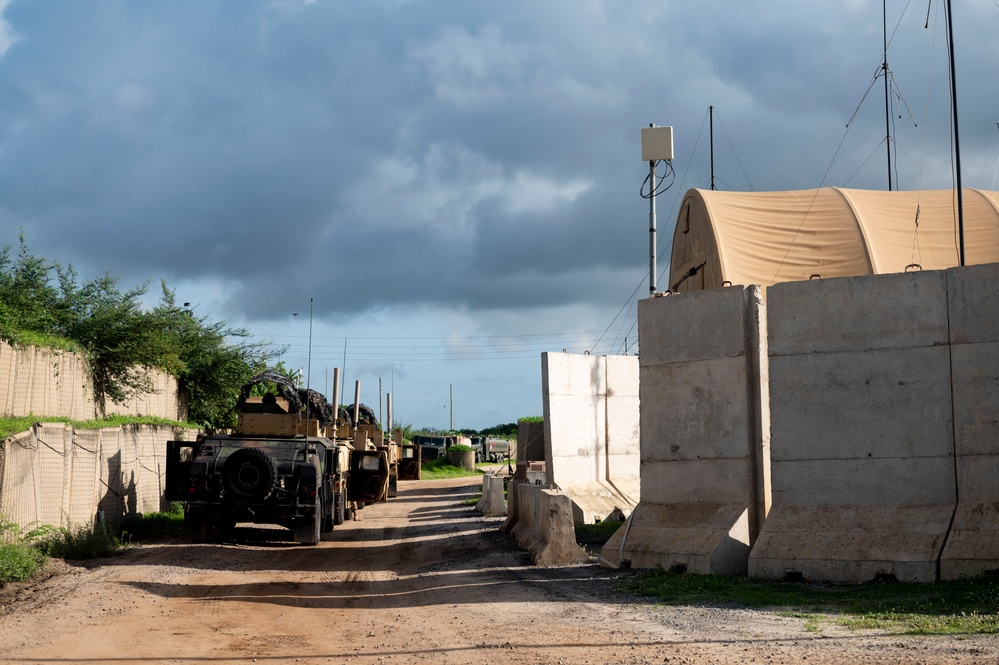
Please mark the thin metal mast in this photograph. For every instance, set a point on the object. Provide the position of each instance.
(884, 66)
(957, 137)
(711, 125)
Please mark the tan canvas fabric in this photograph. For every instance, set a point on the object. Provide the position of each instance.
(770, 237)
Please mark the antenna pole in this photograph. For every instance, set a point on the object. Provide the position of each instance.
(711, 125)
(957, 137)
(884, 66)
(652, 225)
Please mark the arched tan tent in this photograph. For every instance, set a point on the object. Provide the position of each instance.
(770, 237)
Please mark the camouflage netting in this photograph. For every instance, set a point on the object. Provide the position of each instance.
(366, 416)
(318, 406)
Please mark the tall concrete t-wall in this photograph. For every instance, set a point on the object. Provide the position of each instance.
(862, 448)
(591, 432)
(973, 543)
(704, 433)
(57, 383)
(53, 474)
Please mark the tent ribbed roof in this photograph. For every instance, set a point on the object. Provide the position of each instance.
(770, 237)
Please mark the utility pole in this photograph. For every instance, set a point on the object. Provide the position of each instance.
(450, 388)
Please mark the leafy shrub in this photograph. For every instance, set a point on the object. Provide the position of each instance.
(460, 448)
(80, 543)
(18, 561)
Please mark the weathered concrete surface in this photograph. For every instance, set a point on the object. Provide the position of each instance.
(862, 431)
(530, 442)
(704, 433)
(492, 503)
(591, 432)
(973, 544)
(544, 526)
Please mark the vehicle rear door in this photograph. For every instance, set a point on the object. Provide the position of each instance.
(369, 475)
(409, 463)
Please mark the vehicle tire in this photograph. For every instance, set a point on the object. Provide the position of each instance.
(310, 532)
(249, 474)
(340, 508)
(393, 488)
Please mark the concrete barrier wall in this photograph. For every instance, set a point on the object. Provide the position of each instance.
(544, 526)
(704, 433)
(973, 544)
(591, 432)
(53, 474)
(862, 447)
(57, 383)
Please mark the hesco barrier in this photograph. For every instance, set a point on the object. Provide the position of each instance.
(542, 525)
(53, 474)
(57, 383)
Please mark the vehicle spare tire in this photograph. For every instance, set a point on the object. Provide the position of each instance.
(250, 474)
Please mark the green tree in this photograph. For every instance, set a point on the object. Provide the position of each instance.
(211, 361)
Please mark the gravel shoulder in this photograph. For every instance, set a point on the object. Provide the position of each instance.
(419, 578)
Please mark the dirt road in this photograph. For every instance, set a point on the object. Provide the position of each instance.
(421, 578)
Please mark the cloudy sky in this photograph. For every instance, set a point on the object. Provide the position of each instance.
(455, 184)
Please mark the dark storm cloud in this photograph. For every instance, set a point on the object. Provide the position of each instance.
(460, 154)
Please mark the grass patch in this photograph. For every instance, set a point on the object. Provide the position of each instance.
(155, 526)
(441, 468)
(472, 500)
(601, 530)
(15, 425)
(967, 606)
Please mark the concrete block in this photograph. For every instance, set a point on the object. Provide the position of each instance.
(851, 544)
(692, 326)
(861, 404)
(862, 445)
(702, 538)
(703, 436)
(973, 304)
(492, 503)
(973, 544)
(591, 421)
(544, 526)
(852, 313)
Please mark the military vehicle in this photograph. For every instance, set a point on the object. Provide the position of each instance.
(278, 467)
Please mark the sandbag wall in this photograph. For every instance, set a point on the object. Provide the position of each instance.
(56, 475)
(864, 411)
(49, 382)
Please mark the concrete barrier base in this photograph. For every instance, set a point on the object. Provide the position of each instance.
(599, 502)
(973, 544)
(492, 503)
(544, 526)
(702, 538)
(851, 544)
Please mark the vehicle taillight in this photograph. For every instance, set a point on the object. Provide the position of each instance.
(306, 491)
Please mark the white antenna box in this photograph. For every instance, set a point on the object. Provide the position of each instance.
(657, 144)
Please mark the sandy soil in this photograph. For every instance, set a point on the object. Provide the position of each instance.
(421, 578)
